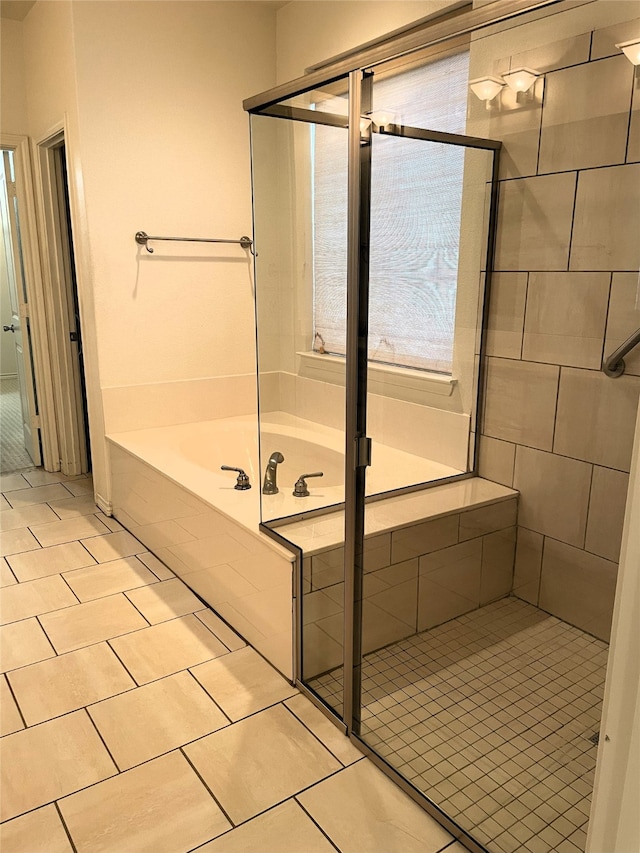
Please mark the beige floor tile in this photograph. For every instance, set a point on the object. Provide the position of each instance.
(40, 831)
(361, 810)
(17, 541)
(113, 546)
(22, 643)
(109, 578)
(322, 727)
(38, 495)
(68, 754)
(164, 600)
(50, 561)
(57, 532)
(167, 648)
(243, 683)
(4, 504)
(154, 719)
(160, 807)
(157, 566)
(278, 756)
(25, 516)
(33, 598)
(283, 829)
(12, 482)
(7, 578)
(10, 719)
(113, 525)
(72, 507)
(91, 622)
(222, 631)
(40, 477)
(79, 485)
(72, 681)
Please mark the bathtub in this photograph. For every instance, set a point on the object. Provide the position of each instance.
(169, 491)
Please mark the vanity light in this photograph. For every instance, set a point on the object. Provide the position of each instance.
(383, 119)
(486, 88)
(365, 129)
(520, 79)
(631, 50)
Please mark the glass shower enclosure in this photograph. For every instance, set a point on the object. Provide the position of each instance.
(373, 233)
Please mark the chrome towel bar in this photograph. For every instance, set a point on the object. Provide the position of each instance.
(614, 365)
(142, 239)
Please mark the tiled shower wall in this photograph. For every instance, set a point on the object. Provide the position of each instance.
(565, 294)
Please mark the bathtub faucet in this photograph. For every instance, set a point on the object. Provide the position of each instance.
(270, 487)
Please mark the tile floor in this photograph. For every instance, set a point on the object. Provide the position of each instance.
(491, 715)
(133, 719)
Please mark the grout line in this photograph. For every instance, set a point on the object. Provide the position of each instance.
(99, 733)
(215, 799)
(66, 828)
(206, 692)
(311, 817)
(573, 218)
(15, 699)
(304, 725)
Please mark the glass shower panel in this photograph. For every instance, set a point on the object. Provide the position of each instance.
(430, 215)
(299, 175)
(299, 155)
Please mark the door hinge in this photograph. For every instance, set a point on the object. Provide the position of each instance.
(11, 189)
(73, 336)
(363, 451)
(35, 422)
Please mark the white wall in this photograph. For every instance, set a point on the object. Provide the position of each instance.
(310, 31)
(151, 94)
(13, 99)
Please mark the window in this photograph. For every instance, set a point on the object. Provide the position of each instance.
(416, 198)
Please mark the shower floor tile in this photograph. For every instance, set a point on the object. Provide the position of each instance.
(493, 716)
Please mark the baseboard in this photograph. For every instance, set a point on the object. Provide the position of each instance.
(105, 505)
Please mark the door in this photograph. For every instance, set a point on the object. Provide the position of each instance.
(19, 326)
(63, 314)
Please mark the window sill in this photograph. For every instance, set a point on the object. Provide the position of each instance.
(382, 377)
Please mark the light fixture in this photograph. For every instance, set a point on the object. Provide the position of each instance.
(383, 119)
(520, 79)
(631, 50)
(486, 88)
(365, 130)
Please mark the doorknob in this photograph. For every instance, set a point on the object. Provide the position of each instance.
(10, 328)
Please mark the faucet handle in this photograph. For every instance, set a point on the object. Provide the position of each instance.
(300, 489)
(242, 482)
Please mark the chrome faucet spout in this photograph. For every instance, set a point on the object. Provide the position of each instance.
(270, 486)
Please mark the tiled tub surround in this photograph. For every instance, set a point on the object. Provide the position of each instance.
(150, 725)
(492, 715)
(429, 556)
(564, 296)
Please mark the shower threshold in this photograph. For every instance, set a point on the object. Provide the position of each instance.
(492, 716)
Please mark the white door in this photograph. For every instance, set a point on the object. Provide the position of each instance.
(19, 326)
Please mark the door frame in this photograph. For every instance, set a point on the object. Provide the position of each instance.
(34, 285)
(65, 419)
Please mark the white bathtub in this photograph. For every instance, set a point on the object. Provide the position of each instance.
(169, 491)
